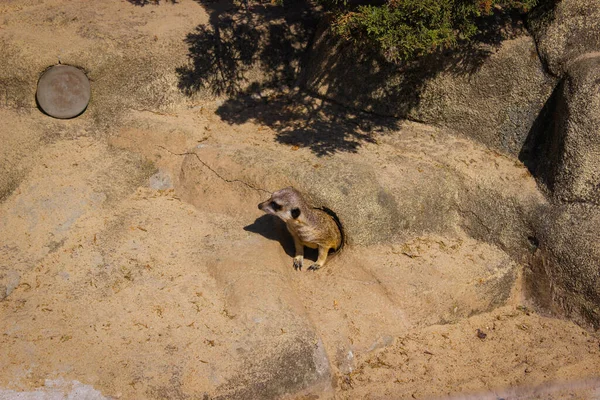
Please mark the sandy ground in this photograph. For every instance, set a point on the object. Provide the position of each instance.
(126, 278)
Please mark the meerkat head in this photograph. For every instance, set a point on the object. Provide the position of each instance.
(285, 203)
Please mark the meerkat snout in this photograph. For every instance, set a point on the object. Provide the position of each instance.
(309, 226)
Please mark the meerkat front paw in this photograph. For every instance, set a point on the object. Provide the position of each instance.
(298, 263)
(314, 267)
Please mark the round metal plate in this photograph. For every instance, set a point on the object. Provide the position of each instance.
(63, 91)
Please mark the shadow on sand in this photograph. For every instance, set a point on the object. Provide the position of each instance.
(253, 52)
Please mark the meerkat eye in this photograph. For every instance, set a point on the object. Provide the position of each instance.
(295, 213)
(275, 206)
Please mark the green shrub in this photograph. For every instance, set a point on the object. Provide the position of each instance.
(405, 29)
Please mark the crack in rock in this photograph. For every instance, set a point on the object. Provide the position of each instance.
(215, 172)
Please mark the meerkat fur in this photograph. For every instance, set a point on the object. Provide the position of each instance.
(309, 226)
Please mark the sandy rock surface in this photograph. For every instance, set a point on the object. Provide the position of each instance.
(134, 262)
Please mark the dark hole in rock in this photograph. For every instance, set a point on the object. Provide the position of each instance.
(63, 91)
(533, 241)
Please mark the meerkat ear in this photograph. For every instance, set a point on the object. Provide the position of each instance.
(295, 213)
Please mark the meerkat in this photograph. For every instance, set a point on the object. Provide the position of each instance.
(309, 226)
